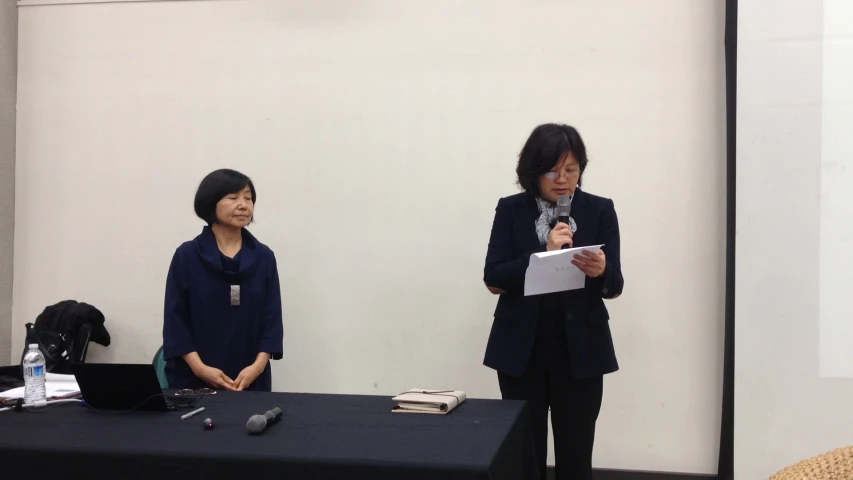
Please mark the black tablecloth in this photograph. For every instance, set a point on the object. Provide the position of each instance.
(319, 437)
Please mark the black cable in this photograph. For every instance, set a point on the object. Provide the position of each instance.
(185, 402)
(48, 407)
(191, 404)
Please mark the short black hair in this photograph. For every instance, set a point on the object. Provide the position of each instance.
(215, 186)
(547, 145)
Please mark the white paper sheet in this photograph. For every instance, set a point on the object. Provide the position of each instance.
(55, 385)
(553, 271)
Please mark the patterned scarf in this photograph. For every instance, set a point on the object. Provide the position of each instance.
(547, 219)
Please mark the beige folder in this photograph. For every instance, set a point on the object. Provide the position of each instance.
(419, 400)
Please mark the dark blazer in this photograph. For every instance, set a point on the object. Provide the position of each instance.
(512, 241)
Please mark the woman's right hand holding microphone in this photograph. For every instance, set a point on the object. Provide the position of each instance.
(561, 235)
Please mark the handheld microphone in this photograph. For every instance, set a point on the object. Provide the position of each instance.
(564, 210)
(257, 423)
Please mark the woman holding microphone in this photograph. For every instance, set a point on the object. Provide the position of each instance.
(552, 350)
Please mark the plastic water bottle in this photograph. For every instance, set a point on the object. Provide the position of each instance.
(34, 375)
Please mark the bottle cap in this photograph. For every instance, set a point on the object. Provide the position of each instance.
(34, 345)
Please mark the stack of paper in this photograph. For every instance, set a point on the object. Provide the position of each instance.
(56, 386)
(419, 400)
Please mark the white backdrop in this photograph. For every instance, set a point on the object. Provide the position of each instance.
(380, 135)
(795, 104)
(836, 196)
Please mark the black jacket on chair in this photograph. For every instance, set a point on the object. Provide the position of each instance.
(513, 240)
(63, 332)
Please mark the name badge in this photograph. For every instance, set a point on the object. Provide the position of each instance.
(235, 295)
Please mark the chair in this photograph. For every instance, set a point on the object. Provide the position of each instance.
(160, 367)
(834, 465)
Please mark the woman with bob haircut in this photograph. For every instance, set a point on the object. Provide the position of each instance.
(222, 319)
(552, 350)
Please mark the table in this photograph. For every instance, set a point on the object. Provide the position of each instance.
(318, 437)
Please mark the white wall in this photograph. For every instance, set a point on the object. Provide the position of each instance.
(792, 285)
(836, 260)
(381, 135)
(8, 77)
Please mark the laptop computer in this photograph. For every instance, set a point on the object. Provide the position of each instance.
(120, 386)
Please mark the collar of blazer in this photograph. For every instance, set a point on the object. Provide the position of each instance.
(579, 202)
(530, 211)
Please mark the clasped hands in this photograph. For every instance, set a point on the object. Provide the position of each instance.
(217, 378)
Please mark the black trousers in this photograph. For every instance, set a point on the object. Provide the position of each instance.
(574, 406)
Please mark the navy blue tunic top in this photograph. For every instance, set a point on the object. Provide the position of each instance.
(199, 315)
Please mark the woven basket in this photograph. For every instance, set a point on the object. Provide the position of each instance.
(834, 465)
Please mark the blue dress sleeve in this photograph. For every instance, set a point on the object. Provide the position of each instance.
(177, 334)
(273, 334)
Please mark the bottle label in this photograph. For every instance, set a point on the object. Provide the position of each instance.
(36, 371)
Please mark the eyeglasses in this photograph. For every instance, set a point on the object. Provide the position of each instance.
(572, 172)
(195, 392)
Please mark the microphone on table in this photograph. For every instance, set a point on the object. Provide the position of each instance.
(257, 423)
(564, 210)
